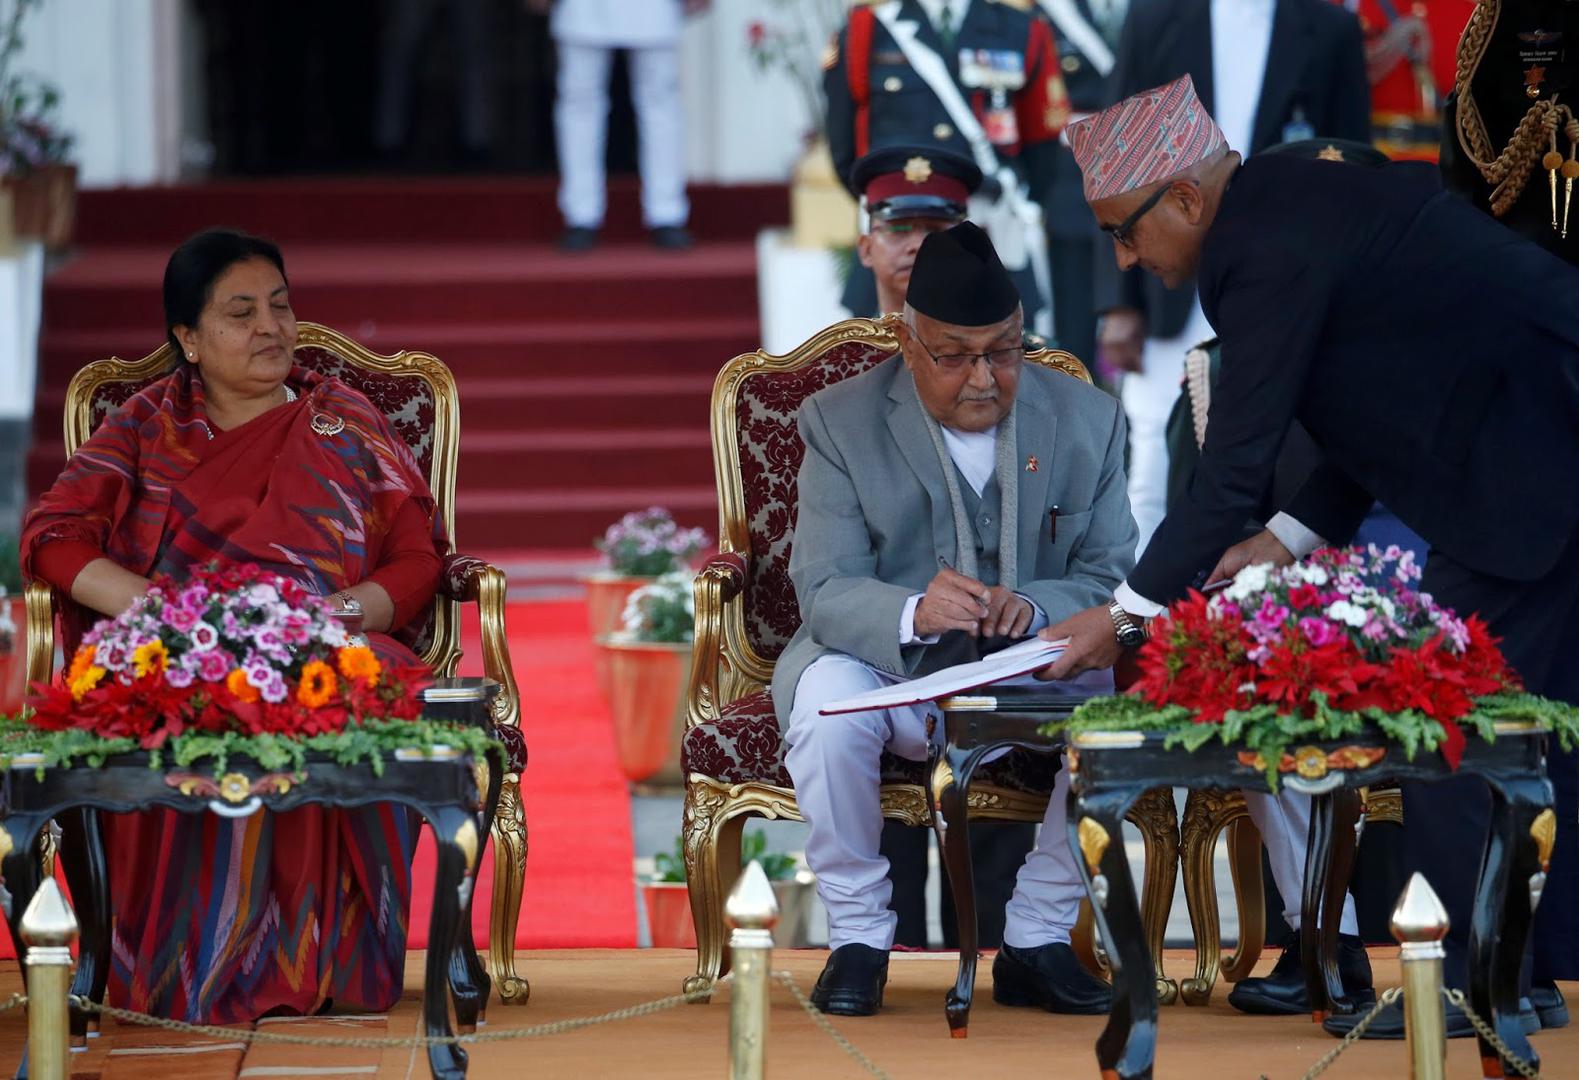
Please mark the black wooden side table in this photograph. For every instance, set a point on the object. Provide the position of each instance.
(1110, 770)
(446, 787)
(975, 725)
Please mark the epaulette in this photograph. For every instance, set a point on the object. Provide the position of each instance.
(1017, 5)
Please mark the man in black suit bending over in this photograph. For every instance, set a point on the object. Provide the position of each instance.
(1433, 356)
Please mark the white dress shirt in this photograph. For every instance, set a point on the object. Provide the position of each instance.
(956, 11)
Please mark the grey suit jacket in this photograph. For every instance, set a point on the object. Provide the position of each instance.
(874, 513)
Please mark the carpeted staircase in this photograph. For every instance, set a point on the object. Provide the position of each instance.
(584, 379)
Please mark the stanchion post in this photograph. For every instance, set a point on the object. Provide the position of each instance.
(751, 909)
(1420, 923)
(48, 928)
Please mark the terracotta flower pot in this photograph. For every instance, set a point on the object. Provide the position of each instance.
(647, 684)
(44, 205)
(669, 924)
(606, 596)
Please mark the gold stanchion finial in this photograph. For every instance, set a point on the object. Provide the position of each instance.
(751, 909)
(1419, 923)
(48, 919)
(751, 904)
(48, 927)
(1419, 915)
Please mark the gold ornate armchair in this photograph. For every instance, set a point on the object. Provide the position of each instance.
(732, 755)
(1207, 813)
(417, 393)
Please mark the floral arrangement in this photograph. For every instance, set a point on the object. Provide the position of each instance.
(30, 134)
(1318, 649)
(647, 543)
(662, 611)
(797, 43)
(231, 649)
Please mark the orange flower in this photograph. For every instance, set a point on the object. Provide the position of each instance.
(236, 682)
(358, 662)
(318, 684)
(81, 662)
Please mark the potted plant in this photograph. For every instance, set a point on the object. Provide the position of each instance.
(34, 171)
(649, 659)
(636, 549)
(668, 903)
(13, 642)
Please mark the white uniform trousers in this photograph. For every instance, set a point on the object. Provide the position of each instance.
(834, 763)
(581, 119)
(1284, 821)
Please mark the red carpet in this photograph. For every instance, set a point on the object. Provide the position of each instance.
(584, 379)
(579, 890)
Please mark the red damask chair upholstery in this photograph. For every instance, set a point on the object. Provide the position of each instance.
(417, 393)
(732, 755)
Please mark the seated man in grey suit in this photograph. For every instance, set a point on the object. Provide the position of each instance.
(952, 499)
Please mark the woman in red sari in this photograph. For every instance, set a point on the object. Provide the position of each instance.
(239, 456)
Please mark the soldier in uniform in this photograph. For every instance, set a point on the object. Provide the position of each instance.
(1085, 33)
(997, 58)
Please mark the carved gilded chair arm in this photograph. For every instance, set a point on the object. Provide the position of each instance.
(466, 578)
(721, 580)
(39, 600)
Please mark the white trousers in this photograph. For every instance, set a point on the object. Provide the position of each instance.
(1148, 396)
(1284, 821)
(581, 120)
(834, 763)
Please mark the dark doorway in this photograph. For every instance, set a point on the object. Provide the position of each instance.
(300, 86)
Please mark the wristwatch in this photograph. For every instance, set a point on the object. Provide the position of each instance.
(346, 604)
(1130, 634)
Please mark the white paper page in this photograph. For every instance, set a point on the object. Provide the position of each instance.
(1027, 656)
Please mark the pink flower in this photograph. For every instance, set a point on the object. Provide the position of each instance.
(1272, 614)
(1318, 631)
(203, 637)
(756, 33)
(213, 665)
(179, 619)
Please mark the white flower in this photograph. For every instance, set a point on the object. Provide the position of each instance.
(1348, 614)
(203, 636)
(333, 634)
(1249, 581)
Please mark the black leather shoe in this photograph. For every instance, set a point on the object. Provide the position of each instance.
(852, 981)
(1549, 1005)
(671, 238)
(1390, 1024)
(1282, 991)
(1048, 976)
(578, 238)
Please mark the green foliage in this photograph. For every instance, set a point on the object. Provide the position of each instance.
(361, 742)
(1266, 731)
(669, 866)
(10, 565)
(664, 611)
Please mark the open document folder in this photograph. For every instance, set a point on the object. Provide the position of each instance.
(1021, 659)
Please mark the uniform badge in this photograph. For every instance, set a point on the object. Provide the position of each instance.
(1329, 153)
(1533, 77)
(918, 170)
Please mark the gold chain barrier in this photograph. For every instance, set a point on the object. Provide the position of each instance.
(48, 928)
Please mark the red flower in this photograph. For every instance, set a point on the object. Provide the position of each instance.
(1301, 597)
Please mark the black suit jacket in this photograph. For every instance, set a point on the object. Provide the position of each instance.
(1315, 68)
(1065, 206)
(1431, 353)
